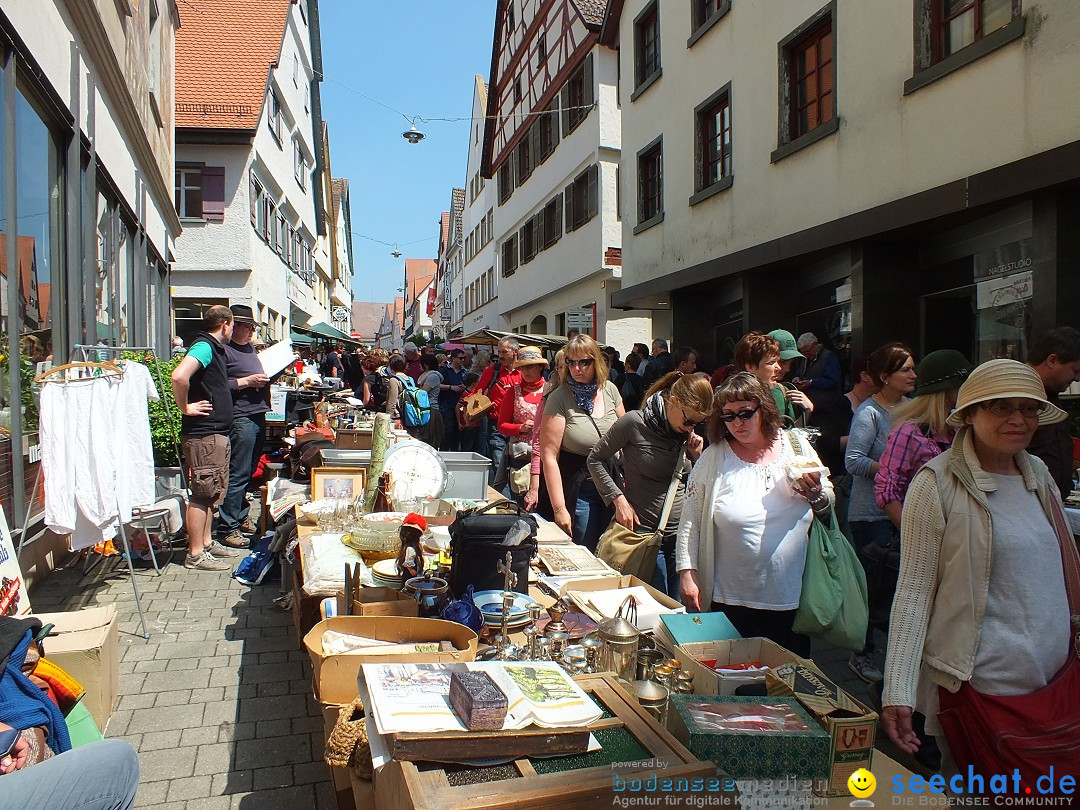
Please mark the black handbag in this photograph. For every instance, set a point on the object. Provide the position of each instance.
(476, 547)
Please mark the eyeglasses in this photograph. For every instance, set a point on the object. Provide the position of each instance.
(584, 362)
(744, 415)
(1003, 408)
(687, 423)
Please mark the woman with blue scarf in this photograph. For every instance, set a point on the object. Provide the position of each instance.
(576, 415)
(653, 441)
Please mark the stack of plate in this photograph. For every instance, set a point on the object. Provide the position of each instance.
(384, 573)
(489, 603)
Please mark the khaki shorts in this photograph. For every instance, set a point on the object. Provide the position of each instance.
(206, 462)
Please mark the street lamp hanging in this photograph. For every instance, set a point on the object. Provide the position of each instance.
(413, 135)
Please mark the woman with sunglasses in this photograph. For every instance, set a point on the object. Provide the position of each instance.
(742, 542)
(576, 415)
(652, 441)
(981, 639)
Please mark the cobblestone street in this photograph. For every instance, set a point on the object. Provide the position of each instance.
(218, 701)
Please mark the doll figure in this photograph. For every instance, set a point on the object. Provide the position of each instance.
(410, 558)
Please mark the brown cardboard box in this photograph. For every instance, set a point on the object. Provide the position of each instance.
(84, 643)
(733, 651)
(380, 602)
(851, 725)
(612, 582)
(335, 675)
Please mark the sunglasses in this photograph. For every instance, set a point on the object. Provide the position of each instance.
(686, 422)
(744, 415)
(584, 362)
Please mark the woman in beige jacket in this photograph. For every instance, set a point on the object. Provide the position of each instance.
(981, 600)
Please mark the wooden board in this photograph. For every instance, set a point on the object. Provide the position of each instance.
(531, 741)
(402, 785)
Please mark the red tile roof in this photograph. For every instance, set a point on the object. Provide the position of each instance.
(224, 51)
(591, 11)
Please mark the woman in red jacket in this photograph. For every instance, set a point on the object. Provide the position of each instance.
(519, 423)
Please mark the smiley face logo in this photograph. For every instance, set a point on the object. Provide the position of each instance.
(862, 783)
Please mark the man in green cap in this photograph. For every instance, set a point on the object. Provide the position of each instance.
(790, 401)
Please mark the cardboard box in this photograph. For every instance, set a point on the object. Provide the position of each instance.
(799, 750)
(84, 643)
(335, 675)
(616, 581)
(735, 651)
(379, 602)
(851, 725)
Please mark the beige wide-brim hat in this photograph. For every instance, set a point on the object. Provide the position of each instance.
(530, 356)
(1004, 379)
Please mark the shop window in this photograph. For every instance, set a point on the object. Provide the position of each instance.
(712, 123)
(646, 48)
(650, 186)
(581, 198)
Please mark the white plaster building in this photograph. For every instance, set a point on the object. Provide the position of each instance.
(475, 288)
(451, 261)
(86, 91)
(250, 167)
(552, 141)
(917, 191)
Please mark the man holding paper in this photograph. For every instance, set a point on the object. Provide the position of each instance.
(250, 388)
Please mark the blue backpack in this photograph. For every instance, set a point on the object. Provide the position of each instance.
(415, 407)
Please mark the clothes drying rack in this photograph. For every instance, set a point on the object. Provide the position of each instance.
(86, 352)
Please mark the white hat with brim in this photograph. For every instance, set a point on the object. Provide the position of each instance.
(1004, 379)
(530, 356)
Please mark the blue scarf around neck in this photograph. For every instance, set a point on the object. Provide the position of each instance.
(584, 393)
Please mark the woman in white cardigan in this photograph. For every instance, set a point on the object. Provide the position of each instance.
(742, 541)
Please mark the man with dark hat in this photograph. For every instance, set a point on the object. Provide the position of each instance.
(250, 389)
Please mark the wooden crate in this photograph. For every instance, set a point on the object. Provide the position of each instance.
(405, 786)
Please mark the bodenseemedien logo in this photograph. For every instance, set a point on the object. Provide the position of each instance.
(862, 785)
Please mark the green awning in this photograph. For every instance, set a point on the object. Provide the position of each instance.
(325, 330)
(297, 338)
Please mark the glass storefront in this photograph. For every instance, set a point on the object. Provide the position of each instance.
(44, 306)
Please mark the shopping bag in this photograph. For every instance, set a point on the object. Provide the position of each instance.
(833, 605)
(629, 552)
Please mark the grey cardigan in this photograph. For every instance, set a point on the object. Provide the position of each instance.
(648, 463)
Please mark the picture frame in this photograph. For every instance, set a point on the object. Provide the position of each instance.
(337, 482)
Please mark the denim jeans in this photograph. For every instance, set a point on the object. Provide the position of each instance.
(591, 516)
(245, 441)
(863, 534)
(452, 437)
(102, 775)
(665, 579)
(497, 448)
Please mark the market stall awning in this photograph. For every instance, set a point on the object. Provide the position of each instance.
(325, 330)
(299, 339)
(491, 337)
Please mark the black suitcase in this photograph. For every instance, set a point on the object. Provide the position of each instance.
(476, 546)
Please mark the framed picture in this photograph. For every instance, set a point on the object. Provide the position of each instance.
(337, 482)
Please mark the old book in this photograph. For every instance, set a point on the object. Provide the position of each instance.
(479, 702)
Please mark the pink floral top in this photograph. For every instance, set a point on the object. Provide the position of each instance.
(521, 404)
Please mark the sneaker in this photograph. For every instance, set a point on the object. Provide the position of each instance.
(235, 539)
(862, 664)
(219, 550)
(205, 562)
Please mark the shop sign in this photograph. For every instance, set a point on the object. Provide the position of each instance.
(1003, 260)
(1000, 292)
(580, 318)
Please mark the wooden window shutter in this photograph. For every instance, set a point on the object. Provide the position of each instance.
(253, 199)
(589, 95)
(541, 239)
(565, 108)
(554, 118)
(213, 207)
(592, 193)
(534, 146)
(568, 197)
(558, 218)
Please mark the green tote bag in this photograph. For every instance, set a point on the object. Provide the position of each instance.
(833, 605)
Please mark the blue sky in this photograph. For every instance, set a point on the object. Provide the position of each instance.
(419, 58)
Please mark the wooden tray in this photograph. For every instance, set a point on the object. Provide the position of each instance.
(530, 741)
(404, 785)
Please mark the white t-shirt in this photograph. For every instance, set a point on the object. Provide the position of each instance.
(761, 535)
(1026, 633)
(135, 482)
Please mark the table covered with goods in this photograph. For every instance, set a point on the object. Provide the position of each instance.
(468, 654)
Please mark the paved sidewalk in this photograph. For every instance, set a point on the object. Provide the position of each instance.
(218, 701)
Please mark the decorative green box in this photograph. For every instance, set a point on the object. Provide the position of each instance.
(752, 737)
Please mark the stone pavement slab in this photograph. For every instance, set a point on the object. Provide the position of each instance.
(218, 700)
